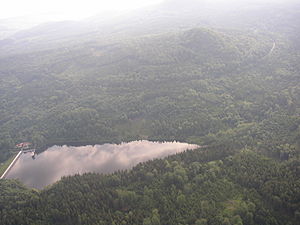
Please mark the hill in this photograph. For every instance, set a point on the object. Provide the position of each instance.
(219, 75)
(95, 91)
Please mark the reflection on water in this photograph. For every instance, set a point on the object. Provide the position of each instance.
(59, 161)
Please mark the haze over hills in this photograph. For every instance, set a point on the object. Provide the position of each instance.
(223, 75)
(168, 16)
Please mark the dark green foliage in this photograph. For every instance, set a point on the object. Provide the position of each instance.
(197, 85)
(223, 89)
(240, 188)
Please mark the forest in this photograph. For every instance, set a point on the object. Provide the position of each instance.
(191, 85)
(216, 185)
(233, 88)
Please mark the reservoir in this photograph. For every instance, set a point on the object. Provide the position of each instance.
(57, 161)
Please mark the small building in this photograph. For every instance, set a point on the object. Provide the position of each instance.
(23, 145)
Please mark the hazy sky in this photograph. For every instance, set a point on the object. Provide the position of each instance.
(68, 9)
(38, 11)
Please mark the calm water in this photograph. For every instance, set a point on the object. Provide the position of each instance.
(59, 161)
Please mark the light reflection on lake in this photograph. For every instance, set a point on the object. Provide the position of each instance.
(59, 161)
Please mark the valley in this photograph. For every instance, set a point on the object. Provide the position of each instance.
(220, 78)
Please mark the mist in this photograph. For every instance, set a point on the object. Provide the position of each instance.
(35, 12)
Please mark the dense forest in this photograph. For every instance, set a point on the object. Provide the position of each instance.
(190, 85)
(233, 87)
(217, 185)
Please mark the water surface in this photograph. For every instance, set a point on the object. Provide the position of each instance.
(59, 161)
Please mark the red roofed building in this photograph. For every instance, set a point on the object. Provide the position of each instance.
(23, 145)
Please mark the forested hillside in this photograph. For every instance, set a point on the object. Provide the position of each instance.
(186, 85)
(227, 80)
(206, 186)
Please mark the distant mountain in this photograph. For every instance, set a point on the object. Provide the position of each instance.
(223, 75)
(15, 24)
(168, 16)
(57, 29)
